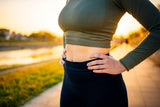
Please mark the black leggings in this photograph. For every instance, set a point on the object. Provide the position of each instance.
(83, 88)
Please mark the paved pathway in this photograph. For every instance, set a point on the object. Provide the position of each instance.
(142, 82)
(49, 98)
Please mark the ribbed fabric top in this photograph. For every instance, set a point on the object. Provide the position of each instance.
(93, 23)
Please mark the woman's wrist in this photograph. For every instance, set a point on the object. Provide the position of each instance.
(123, 69)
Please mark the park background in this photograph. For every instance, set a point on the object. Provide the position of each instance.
(31, 45)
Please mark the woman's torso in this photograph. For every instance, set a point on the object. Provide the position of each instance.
(88, 27)
(77, 53)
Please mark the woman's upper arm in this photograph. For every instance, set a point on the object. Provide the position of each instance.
(149, 16)
(144, 11)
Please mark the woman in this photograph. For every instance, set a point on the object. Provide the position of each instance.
(92, 77)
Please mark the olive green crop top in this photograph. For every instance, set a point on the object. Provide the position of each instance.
(93, 23)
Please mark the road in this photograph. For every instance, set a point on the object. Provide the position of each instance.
(142, 82)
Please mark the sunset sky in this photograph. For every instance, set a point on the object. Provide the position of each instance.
(26, 16)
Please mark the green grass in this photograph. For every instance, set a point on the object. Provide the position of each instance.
(18, 87)
(7, 67)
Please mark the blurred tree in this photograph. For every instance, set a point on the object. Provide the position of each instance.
(134, 35)
(43, 36)
(134, 38)
(2, 34)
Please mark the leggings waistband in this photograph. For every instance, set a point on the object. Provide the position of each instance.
(78, 72)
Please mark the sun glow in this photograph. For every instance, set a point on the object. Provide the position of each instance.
(126, 25)
(27, 16)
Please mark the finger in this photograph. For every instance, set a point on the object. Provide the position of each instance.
(105, 71)
(100, 71)
(62, 62)
(63, 55)
(96, 67)
(96, 62)
(64, 51)
(98, 56)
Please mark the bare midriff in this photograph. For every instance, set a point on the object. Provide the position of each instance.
(77, 53)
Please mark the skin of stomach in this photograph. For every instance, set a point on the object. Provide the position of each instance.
(77, 53)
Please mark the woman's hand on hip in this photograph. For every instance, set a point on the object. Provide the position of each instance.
(62, 62)
(107, 64)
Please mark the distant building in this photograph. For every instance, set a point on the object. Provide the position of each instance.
(6, 32)
(19, 36)
(7, 35)
(12, 35)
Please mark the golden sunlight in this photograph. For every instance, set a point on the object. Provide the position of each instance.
(126, 25)
(27, 16)
(31, 15)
